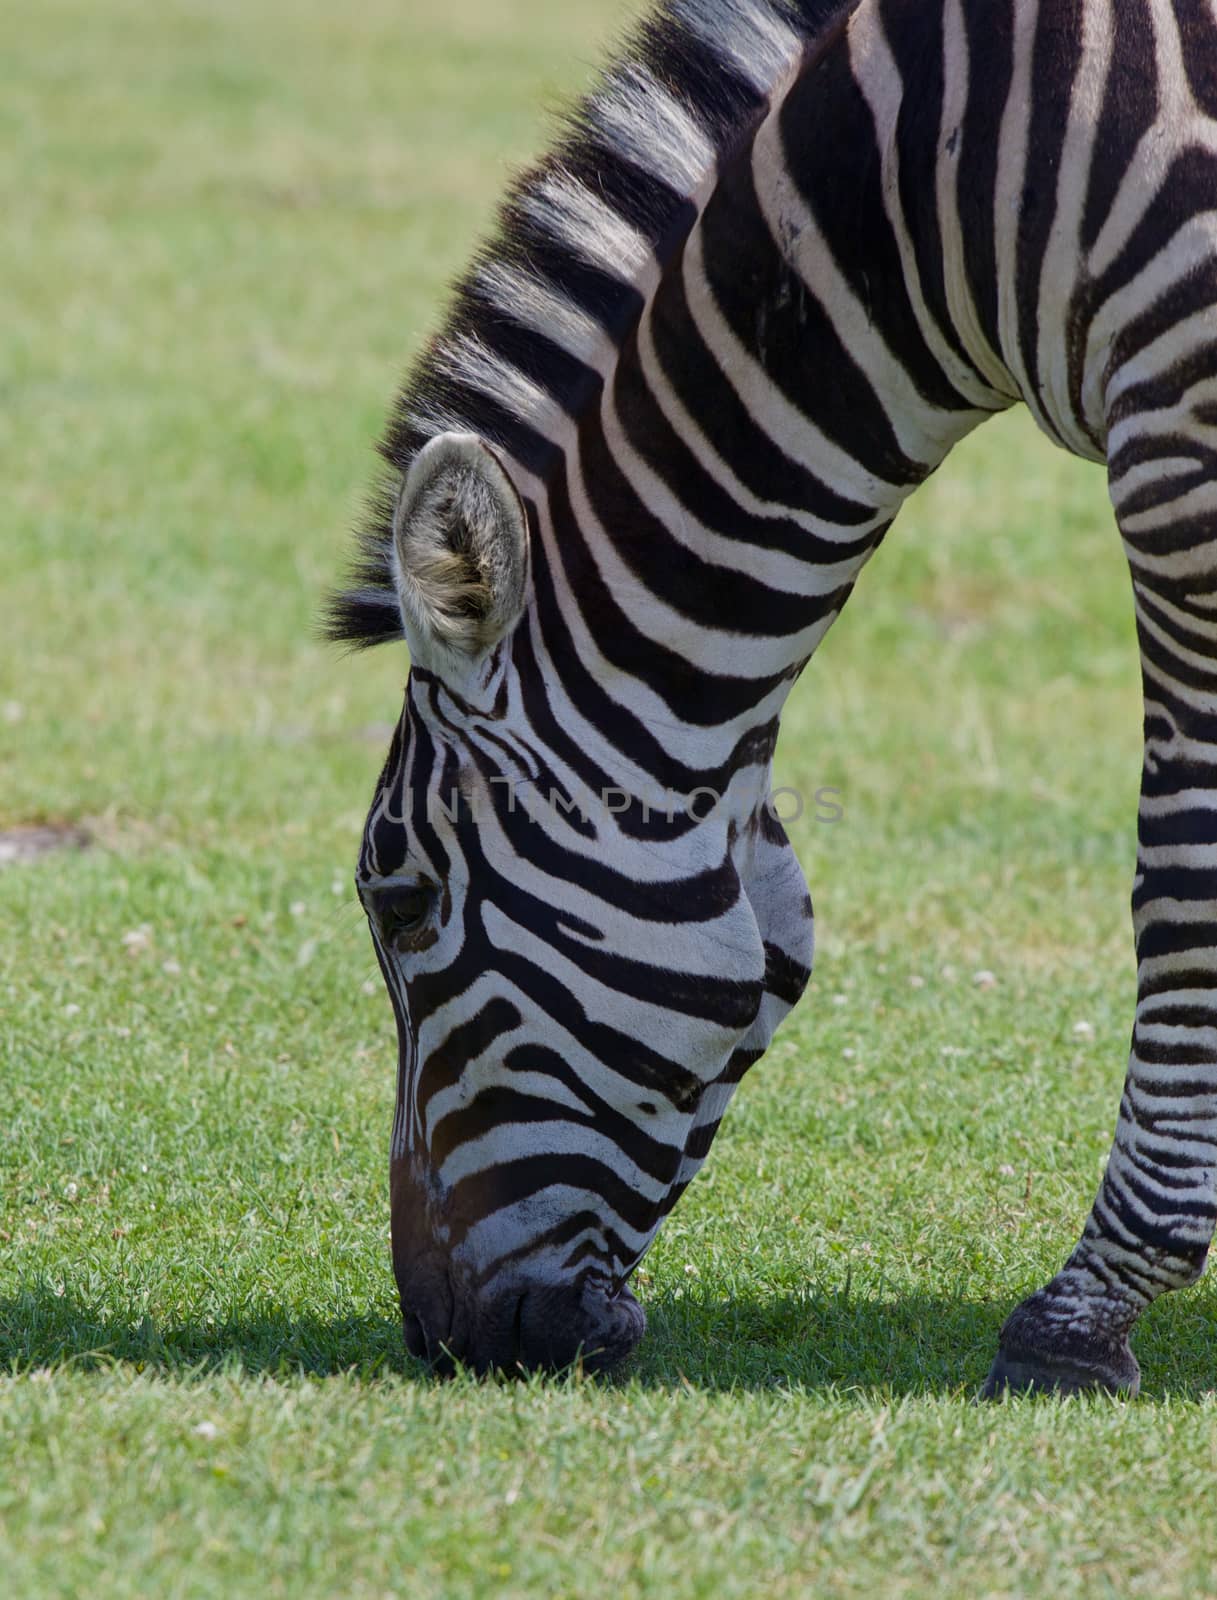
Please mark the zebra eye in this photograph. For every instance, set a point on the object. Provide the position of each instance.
(402, 914)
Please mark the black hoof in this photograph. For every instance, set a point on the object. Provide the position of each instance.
(1114, 1372)
(1039, 1353)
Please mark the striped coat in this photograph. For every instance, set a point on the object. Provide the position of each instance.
(782, 258)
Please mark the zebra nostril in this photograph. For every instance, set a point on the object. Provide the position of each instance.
(416, 1339)
(551, 1329)
(435, 1352)
(517, 1334)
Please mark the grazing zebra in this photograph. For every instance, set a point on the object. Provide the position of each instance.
(782, 258)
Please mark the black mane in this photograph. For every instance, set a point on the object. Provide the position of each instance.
(712, 59)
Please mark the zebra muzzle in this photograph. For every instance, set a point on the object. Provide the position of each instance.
(527, 1327)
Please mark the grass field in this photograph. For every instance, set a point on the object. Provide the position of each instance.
(223, 229)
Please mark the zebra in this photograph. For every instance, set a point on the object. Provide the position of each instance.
(777, 262)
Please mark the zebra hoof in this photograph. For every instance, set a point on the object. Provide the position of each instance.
(1036, 1359)
(1052, 1375)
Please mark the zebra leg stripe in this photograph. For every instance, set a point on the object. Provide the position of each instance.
(1152, 1220)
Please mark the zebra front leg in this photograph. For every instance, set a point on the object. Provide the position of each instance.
(1152, 1221)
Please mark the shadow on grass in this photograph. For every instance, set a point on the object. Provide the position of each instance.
(817, 1338)
(41, 1329)
(808, 1340)
(909, 1344)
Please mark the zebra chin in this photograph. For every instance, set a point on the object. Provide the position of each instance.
(527, 1327)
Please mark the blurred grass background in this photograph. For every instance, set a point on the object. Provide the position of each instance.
(224, 227)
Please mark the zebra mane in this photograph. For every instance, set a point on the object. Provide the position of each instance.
(558, 281)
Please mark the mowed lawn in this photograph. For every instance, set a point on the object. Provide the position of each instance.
(224, 227)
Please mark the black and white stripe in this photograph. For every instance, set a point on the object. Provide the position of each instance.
(776, 265)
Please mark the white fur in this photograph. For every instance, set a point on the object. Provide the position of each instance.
(644, 123)
(751, 38)
(471, 363)
(535, 305)
(573, 215)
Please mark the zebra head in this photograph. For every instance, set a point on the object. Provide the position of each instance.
(579, 977)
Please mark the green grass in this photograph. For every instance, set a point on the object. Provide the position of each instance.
(223, 228)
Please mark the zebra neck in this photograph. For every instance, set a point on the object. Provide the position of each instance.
(785, 385)
(784, 256)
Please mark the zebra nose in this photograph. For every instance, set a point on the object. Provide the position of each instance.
(428, 1307)
(532, 1327)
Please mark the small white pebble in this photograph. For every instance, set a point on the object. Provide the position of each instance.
(849, 1053)
(338, 888)
(71, 1011)
(369, 986)
(297, 908)
(840, 999)
(984, 979)
(1006, 1170)
(690, 1270)
(69, 1191)
(916, 981)
(1084, 1030)
(172, 968)
(138, 939)
(206, 1430)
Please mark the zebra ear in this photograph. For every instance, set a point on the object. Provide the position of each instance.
(460, 544)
